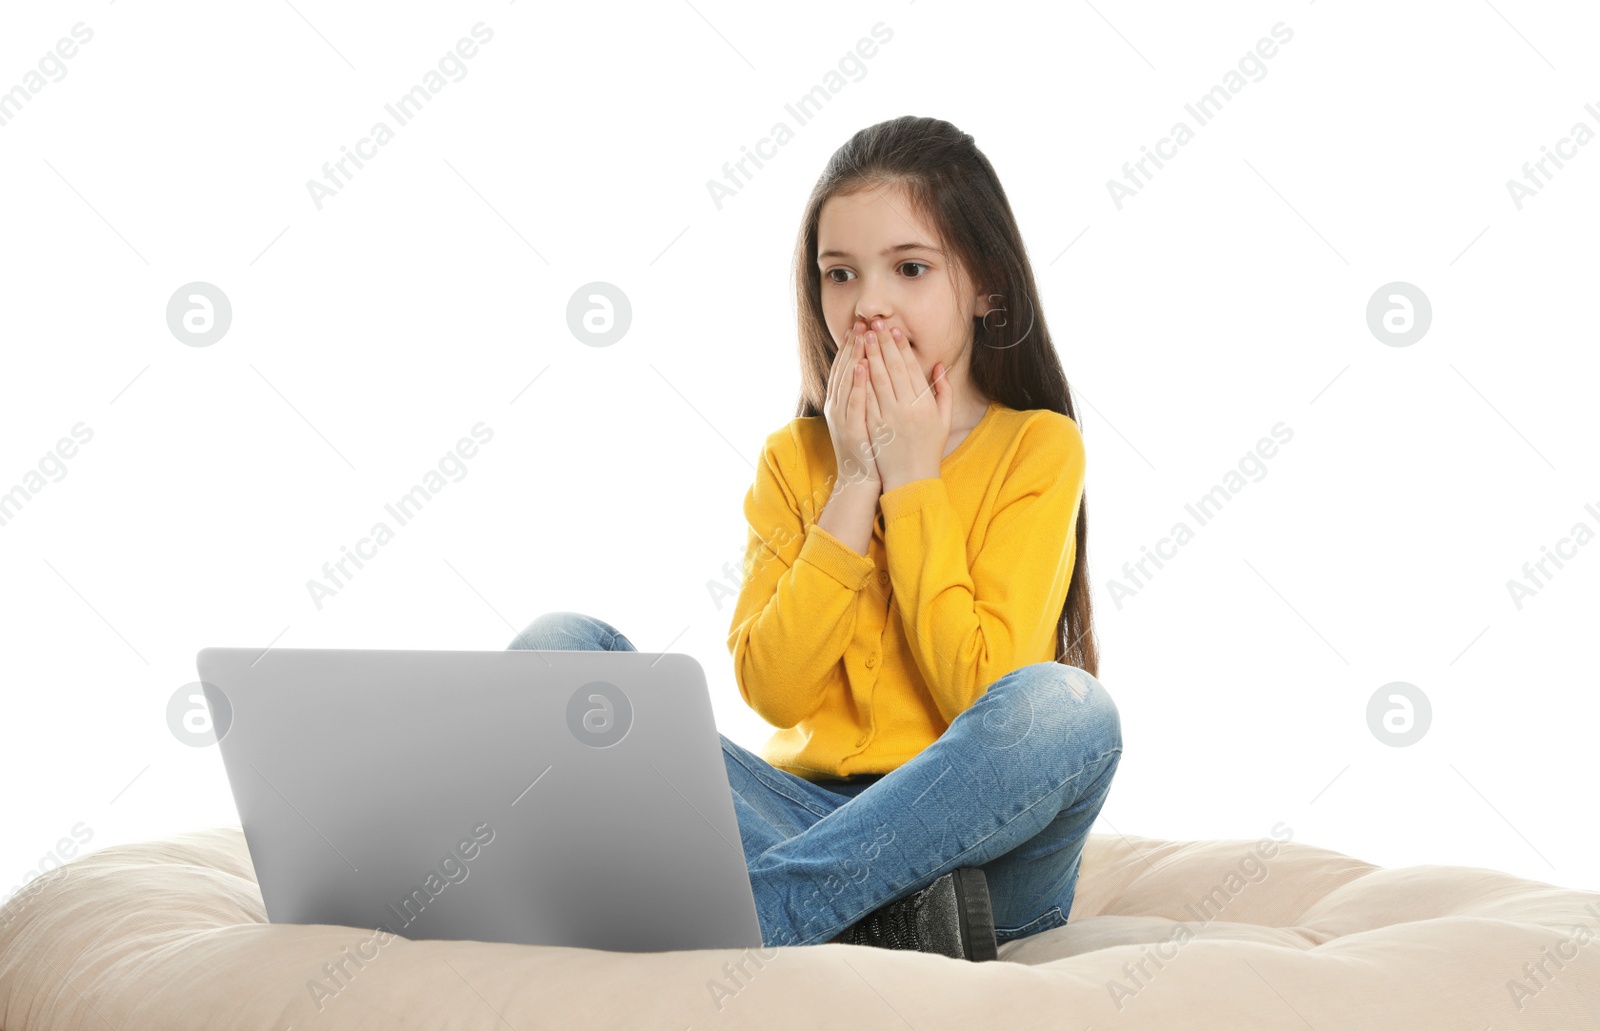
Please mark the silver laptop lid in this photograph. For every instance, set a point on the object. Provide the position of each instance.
(572, 798)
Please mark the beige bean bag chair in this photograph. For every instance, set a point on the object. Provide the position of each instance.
(1237, 935)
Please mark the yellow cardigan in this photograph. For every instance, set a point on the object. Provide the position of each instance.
(862, 661)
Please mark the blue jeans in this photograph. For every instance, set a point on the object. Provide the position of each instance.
(1012, 785)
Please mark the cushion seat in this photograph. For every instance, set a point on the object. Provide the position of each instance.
(172, 934)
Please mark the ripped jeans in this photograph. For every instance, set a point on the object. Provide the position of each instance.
(1013, 785)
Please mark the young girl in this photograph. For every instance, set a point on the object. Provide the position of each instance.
(914, 616)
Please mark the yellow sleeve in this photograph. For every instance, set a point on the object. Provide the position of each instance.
(797, 602)
(968, 628)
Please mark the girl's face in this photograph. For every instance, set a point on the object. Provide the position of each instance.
(880, 259)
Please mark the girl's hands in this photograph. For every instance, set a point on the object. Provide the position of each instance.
(846, 411)
(905, 409)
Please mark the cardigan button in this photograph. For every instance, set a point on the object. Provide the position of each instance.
(872, 660)
(883, 577)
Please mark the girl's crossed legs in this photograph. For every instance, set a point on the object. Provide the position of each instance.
(1013, 785)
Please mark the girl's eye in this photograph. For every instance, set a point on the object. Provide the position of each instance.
(917, 264)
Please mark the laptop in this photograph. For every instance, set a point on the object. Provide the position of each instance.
(571, 798)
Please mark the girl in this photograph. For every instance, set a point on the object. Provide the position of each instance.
(914, 566)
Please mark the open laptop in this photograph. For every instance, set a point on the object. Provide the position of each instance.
(573, 798)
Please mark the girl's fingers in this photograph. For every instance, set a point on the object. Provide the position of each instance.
(842, 362)
(840, 358)
(863, 423)
(836, 382)
(878, 366)
(839, 378)
(888, 380)
(895, 366)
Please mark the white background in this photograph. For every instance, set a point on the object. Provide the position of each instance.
(1227, 296)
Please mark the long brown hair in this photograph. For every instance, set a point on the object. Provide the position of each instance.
(955, 186)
